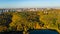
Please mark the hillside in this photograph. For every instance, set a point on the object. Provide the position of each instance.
(25, 20)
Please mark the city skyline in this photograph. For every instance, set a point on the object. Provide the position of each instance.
(29, 3)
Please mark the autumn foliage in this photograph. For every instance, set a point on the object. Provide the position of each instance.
(25, 20)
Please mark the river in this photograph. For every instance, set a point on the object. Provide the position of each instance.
(41, 31)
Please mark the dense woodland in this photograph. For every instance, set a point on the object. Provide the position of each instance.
(23, 21)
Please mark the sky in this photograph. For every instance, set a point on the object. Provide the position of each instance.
(29, 3)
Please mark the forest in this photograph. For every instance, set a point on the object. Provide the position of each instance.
(25, 20)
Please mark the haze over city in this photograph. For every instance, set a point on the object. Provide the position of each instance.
(29, 3)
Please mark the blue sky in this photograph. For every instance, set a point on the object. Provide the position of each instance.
(29, 3)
